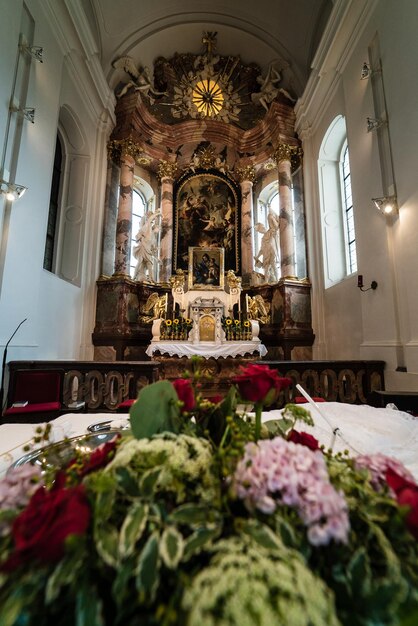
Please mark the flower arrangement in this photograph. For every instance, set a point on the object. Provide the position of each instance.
(176, 329)
(236, 330)
(200, 516)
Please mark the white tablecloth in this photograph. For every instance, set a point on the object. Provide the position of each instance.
(13, 437)
(361, 430)
(207, 349)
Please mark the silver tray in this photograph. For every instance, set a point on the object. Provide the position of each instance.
(59, 454)
(105, 426)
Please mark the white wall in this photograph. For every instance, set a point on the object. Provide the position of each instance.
(60, 314)
(380, 324)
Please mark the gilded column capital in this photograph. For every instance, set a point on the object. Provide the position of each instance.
(118, 147)
(246, 173)
(166, 169)
(286, 152)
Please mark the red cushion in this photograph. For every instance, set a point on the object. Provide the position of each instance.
(37, 386)
(126, 404)
(302, 400)
(34, 408)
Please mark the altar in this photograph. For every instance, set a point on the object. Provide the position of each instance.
(206, 319)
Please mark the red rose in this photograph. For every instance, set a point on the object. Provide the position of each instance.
(305, 439)
(97, 459)
(406, 495)
(40, 531)
(258, 383)
(185, 394)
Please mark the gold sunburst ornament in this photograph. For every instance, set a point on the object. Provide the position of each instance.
(208, 97)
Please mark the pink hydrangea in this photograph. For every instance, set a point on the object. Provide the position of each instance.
(18, 486)
(377, 465)
(278, 472)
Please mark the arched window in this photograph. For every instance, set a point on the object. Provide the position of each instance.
(68, 200)
(350, 235)
(51, 231)
(337, 213)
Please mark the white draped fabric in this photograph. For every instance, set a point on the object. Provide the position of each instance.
(207, 349)
(361, 430)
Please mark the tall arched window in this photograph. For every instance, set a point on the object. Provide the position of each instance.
(350, 235)
(63, 254)
(337, 212)
(51, 231)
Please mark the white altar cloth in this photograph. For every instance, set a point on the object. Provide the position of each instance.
(207, 349)
(362, 430)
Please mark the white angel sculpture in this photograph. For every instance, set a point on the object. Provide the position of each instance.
(140, 78)
(269, 248)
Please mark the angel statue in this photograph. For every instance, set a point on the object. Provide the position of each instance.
(145, 250)
(269, 88)
(155, 306)
(140, 78)
(257, 309)
(269, 248)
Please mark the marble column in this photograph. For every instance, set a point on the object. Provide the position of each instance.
(110, 216)
(247, 176)
(124, 219)
(283, 157)
(166, 172)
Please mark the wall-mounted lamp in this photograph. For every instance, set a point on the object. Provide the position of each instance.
(374, 124)
(11, 190)
(360, 285)
(36, 52)
(366, 71)
(28, 113)
(387, 204)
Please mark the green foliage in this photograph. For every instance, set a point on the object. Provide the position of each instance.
(170, 545)
(156, 410)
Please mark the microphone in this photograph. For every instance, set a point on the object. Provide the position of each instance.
(3, 367)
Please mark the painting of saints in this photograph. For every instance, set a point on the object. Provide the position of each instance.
(206, 212)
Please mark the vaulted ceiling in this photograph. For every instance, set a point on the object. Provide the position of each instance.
(285, 32)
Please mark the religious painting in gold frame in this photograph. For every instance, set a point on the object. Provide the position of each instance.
(206, 216)
(206, 268)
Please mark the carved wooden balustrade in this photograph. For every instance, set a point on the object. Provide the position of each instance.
(103, 386)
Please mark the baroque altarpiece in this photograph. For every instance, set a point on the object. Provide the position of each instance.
(207, 134)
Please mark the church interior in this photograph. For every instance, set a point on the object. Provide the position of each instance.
(208, 313)
(278, 139)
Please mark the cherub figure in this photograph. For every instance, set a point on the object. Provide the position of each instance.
(268, 90)
(140, 78)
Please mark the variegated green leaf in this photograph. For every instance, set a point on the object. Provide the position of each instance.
(149, 480)
(128, 481)
(107, 543)
(89, 607)
(171, 547)
(192, 514)
(147, 569)
(132, 528)
(198, 540)
(263, 535)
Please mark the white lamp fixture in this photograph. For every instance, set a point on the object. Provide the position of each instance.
(28, 113)
(366, 71)
(388, 205)
(11, 190)
(36, 52)
(374, 124)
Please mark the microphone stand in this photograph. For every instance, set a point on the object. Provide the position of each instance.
(4, 366)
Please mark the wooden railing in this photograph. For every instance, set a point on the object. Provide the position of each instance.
(335, 381)
(102, 386)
